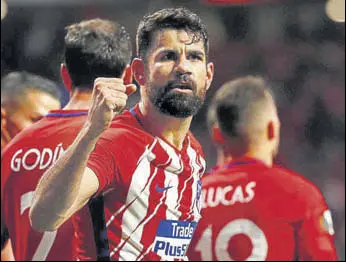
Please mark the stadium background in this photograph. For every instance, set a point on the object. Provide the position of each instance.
(291, 42)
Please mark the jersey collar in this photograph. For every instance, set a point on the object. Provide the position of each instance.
(67, 113)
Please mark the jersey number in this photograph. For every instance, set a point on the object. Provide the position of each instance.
(48, 238)
(235, 227)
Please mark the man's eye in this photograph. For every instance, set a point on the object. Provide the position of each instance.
(168, 56)
(196, 57)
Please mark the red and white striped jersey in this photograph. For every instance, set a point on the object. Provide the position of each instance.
(151, 193)
(23, 163)
(253, 212)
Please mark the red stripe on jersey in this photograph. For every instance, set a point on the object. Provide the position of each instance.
(120, 244)
(151, 211)
(157, 210)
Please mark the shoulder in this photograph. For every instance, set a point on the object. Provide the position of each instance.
(123, 126)
(298, 181)
(125, 133)
(296, 184)
(46, 132)
(195, 144)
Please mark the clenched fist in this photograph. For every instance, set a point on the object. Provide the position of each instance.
(108, 99)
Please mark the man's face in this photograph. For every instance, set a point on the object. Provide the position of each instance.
(32, 108)
(177, 74)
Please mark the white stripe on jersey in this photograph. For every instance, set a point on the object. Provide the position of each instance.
(135, 256)
(195, 172)
(203, 163)
(146, 252)
(147, 153)
(171, 180)
(170, 195)
(176, 166)
(136, 211)
(129, 251)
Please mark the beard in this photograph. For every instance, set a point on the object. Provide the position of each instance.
(174, 103)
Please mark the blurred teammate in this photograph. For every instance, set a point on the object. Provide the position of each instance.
(3, 9)
(93, 48)
(25, 98)
(145, 163)
(252, 210)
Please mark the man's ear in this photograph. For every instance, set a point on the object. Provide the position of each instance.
(127, 75)
(65, 75)
(5, 136)
(138, 71)
(3, 117)
(216, 135)
(210, 74)
(270, 131)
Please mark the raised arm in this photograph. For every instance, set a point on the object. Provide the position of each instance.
(68, 184)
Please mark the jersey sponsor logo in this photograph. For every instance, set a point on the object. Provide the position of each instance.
(173, 238)
(34, 158)
(326, 222)
(228, 195)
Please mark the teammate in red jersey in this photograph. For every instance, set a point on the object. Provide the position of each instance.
(251, 209)
(93, 48)
(25, 98)
(145, 163)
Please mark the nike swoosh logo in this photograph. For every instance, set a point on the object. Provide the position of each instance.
(162, 189)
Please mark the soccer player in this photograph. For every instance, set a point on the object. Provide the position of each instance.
(145, 163)
(252, 209)
(3, 9)
(25, 98)
(93, 48)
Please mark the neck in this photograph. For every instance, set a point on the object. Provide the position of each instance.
(222, 157)
(79, 100)
(260, 153)
(170, 128)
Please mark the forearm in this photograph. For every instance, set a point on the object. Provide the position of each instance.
(58, 188)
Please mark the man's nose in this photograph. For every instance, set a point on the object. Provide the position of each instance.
(183, 65)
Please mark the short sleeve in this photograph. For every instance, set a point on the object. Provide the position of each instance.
(315, 236)
(102, 162)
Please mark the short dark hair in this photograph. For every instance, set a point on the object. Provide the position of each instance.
(96, 48)
(169, 18)
(234, 100)
(15, 85)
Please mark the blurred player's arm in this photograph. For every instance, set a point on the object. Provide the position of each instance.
(315, 236)
(68, 184)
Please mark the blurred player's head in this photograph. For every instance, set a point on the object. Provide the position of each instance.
(25, 98)
(172, 64)
(95, 48)
(3, 9)
(243, 118)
